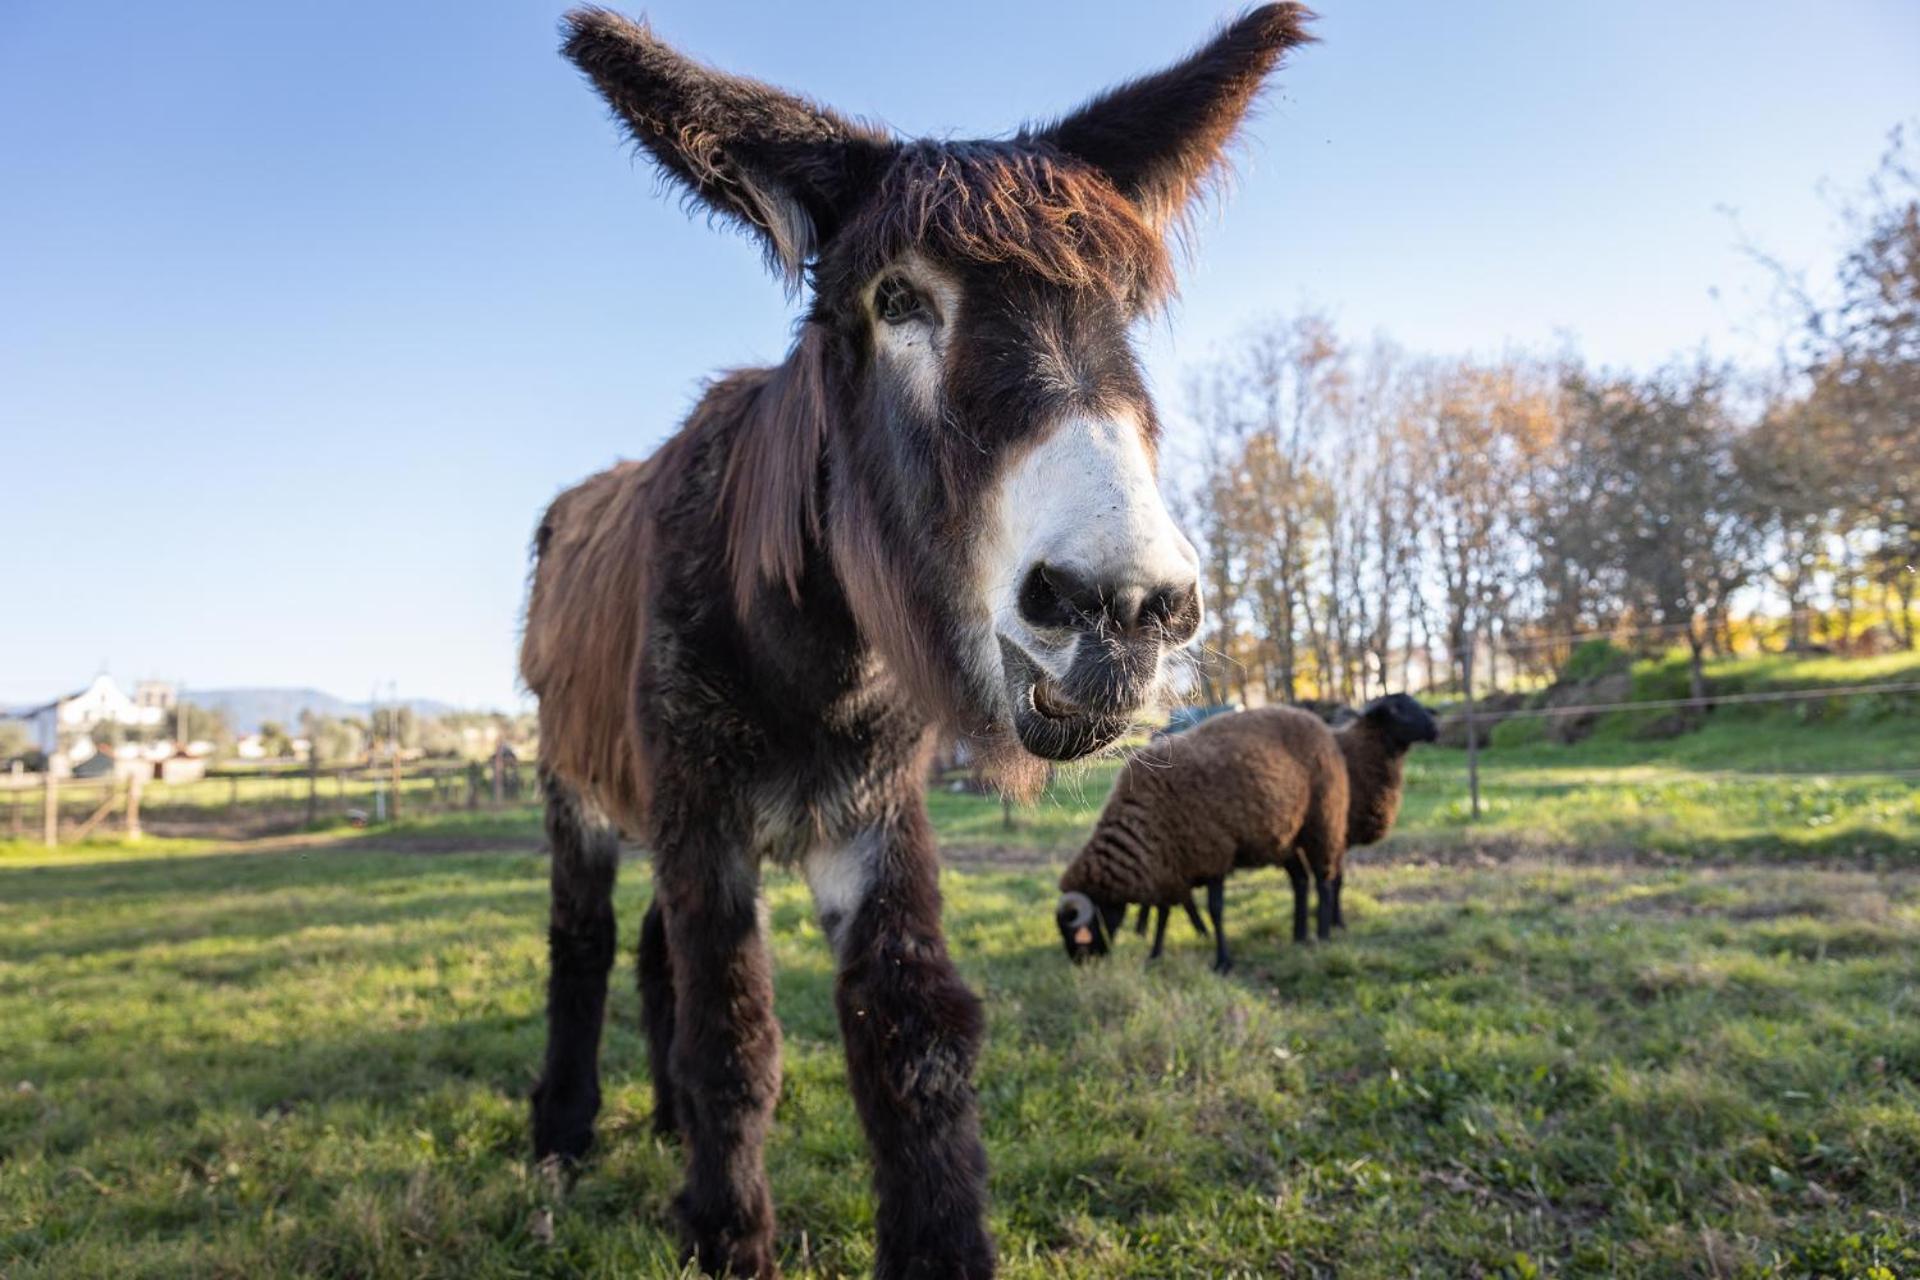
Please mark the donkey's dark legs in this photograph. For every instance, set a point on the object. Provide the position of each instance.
(1339, 921)
(1216, 907)
(1297, 873)
(580, 944)
(656, 1012)
(912, 1031)
(724, 1055)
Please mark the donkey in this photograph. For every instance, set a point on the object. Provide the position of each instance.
(938, 516)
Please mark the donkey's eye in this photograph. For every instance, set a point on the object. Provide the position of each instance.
(898, 302)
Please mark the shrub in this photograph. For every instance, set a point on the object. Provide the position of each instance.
(1593, 659)
(1518, 733)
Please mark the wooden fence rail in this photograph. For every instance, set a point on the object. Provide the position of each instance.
(67, 810)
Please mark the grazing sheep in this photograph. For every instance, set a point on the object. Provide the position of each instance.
(1253, 789)
(1257, 789)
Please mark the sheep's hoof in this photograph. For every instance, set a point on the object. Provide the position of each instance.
(1223, 966)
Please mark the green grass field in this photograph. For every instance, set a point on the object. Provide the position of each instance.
(1657, 1014)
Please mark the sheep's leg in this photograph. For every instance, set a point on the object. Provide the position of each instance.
(1159, 931)
(1140, 925)
(912, 1031)
(724, 1056)
(656, 1012)
(1323, 904)
(1216, 906)
(1339, 884)
(585, 855)
(1193, 915)
(1297, 873)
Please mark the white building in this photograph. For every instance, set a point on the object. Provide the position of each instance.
(77, 715)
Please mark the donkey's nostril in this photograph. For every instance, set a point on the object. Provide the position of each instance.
(1175, 610)
(1052, 597)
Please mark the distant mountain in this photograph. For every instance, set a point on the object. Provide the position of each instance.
(248, 709)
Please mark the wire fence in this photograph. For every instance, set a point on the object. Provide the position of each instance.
(1703, 702)
(1477, 722)
(238, 805)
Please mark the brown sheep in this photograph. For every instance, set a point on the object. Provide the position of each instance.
(1375, 746)
(1246, 790)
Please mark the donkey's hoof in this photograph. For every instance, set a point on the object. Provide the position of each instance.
(562, 1127)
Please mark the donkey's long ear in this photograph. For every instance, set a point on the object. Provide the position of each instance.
(1160, 138)
(784, 168)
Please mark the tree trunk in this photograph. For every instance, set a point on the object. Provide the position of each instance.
(1696, 670)
(1903, 589)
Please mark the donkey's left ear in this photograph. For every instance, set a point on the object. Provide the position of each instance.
(784, 168)
(1160, 138)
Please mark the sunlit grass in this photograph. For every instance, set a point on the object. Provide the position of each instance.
(315, 1062)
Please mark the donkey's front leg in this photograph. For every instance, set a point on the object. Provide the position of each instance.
(725, 1054)
(912, 1031)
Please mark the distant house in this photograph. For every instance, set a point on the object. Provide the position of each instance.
(181, 768)
(101, 703)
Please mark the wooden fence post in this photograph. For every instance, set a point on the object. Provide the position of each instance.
(1473, 738)
(134, 786)
(313, 782)
(499, 773)
(51, 829)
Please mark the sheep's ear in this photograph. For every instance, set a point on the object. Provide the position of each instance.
(785, 169)
(1160, 138)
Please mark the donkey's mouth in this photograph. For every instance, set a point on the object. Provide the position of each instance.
(1049, 723)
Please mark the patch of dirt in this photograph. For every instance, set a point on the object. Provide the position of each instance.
(423, 842)
(996, 856)
(1494, 851)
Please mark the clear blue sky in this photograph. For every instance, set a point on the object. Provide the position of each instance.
(306, 310)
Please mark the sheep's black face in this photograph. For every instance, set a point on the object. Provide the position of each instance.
(1404, 719)
(1087, 927)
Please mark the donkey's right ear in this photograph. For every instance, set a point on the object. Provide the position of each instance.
(787, 170)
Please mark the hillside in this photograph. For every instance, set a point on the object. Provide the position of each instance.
(247, 709)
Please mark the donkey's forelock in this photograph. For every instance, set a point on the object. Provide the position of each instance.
(1023, 205)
